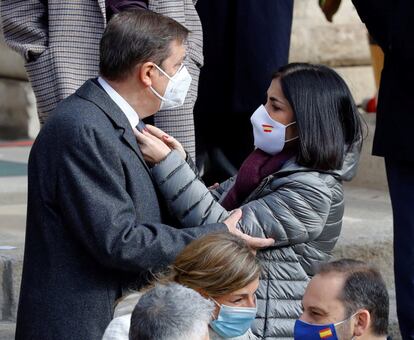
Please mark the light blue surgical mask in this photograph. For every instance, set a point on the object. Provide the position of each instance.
(309, 331)
(233, 321)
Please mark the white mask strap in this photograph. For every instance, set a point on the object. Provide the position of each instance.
(289, 140)
(157, 94)
(218, 305)
(286, 126)
(170, 78)
(341, 322)
(165, 73)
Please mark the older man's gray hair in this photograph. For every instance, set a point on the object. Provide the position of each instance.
(171, 312)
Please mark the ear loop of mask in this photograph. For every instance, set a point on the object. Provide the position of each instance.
(286, 126)
(165, 73)
(169, 78)
(219, 305)
(343, 321)
(291, 139)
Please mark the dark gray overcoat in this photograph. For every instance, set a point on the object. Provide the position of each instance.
(94, 221)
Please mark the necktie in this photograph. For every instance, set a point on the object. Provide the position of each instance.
(140, 126)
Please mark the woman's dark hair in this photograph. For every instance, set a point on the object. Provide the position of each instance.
(326, 115)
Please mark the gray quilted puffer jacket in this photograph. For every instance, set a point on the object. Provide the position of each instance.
(300, 208)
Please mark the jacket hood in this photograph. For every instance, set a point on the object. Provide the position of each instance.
(346, 173)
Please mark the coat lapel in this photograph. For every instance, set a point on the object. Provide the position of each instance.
(130, 139)
(91, 91)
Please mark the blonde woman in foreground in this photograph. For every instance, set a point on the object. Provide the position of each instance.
(222, 268)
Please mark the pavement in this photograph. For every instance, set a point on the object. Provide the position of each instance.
(13, 192)
(366, 235)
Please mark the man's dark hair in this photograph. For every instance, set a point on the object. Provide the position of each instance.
(325, 112)
(134, 37)
(364, 288)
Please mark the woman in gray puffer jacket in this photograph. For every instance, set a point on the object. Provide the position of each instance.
(307, 138)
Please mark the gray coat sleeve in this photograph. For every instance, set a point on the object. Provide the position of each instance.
(25, 26)
(292, 212)
(223, 188)
(186, 195)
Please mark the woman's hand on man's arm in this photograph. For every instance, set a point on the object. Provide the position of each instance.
(253, 242)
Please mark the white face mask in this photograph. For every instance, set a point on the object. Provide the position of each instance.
(176, 90)
(269, 135)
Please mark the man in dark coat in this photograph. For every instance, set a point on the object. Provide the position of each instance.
(94, 223)
(391, 24)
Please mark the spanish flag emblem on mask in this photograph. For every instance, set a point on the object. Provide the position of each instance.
(325, 333)
(267, 128)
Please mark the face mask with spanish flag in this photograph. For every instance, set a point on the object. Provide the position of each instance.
(308, 331)
(269, 135)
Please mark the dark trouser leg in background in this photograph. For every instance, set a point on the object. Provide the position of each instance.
(400, 175)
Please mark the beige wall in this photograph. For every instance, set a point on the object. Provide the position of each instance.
(18, 115)
(11, 64)
(340, 43)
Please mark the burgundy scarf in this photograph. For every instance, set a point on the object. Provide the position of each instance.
(257, 166)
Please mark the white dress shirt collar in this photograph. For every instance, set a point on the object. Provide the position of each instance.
(121, 102)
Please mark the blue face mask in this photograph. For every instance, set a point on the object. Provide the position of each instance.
(308, 331)
(233, 321)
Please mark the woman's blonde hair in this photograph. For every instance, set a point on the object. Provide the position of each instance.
(215, 265)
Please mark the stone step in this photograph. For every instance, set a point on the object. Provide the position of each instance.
(367, 235)
(7, 330)
(13, 192)
(10, 277)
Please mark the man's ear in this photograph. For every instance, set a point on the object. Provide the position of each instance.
(362, 322)
(145, 73)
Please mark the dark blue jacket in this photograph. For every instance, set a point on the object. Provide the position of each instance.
(391, 24)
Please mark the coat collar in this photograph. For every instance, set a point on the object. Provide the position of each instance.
(92, 92)
(346, 173)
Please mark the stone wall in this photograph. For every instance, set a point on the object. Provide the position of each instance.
(11, 63)
(340, 43)
(18, 115)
